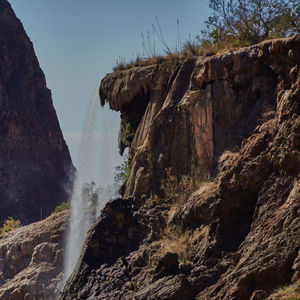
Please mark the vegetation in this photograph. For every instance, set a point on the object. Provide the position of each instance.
(63, 206)
(246, 22)
(126, 131)
(176, 188)
(90, 193)
(288, 292)
(9, 224)
(179, 244)
(232, 24)
(238, 23)
(122, 65)
(191, 49)
(122, 174)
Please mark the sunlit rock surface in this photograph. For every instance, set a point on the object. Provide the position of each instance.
(31, 260)
(34, 160)
(230, 123)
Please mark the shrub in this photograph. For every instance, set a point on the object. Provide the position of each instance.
(177, 243)
(288, 292)
(90, 194)
(9, 224)
(61, 207)
(251, 21)
(120, 64)
(191, 48)
(126, 130)
(122, 174)
(177, 188)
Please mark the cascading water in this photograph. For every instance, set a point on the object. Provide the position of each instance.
(80, 218)
(83, 211)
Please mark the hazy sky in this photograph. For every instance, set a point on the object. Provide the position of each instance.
(78, 41)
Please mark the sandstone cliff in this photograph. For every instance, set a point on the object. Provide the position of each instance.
(31, 260)
(212, 206)
(34, 158)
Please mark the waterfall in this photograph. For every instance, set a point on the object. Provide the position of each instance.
(83, 212)
(81, 217)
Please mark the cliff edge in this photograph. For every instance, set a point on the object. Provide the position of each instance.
(211, 209)
(35, 163)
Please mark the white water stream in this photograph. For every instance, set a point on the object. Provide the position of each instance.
(82, 213)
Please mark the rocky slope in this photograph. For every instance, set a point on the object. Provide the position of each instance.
(31, 260)
(212, 206)
(34, 158)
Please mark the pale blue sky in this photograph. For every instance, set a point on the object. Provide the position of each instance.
(78, 41)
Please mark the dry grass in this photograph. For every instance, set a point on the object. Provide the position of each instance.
(190, 49)
(178, 243)
(177, 193)
(122, 65)
(289, 292)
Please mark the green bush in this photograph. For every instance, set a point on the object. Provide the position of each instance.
(63, 206)
(191, 49)
(9, 224)
(122, 174)
(251, 21)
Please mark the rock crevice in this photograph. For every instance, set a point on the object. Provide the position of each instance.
(214, 181)
(35, 164)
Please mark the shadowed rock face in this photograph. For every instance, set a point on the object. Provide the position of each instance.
(230, 118)
(34, 159)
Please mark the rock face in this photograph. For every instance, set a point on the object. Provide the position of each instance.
(34, 159)
(31, 260)
(212, 206)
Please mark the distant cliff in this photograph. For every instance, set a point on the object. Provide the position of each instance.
(211, 207)
(34, 159)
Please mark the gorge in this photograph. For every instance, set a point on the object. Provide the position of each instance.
(210, 205)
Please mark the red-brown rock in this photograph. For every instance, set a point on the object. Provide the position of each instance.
(230, 124)
(34, 160)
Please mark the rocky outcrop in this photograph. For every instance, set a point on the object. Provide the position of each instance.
(31, 260)
(211, 208)
(34, 159)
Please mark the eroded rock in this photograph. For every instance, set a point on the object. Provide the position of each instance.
(35, 164)
(230, 125)
(31, 260)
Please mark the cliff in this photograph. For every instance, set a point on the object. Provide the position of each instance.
(31, 260)
(34, 160)
(211, 208)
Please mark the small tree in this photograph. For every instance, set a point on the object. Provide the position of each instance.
(122, 174)
(251, 21)
(61, 207)
(90, 194)
(9, 224)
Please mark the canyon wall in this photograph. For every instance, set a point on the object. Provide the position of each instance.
(31, 260)
(211, 209)
(34, 160)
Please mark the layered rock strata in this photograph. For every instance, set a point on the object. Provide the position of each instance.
(212, 206)
(31, 260)
(34, 159)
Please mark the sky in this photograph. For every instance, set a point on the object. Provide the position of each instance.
(78, 42)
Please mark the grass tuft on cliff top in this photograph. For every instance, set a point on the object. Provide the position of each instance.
(232, 24)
